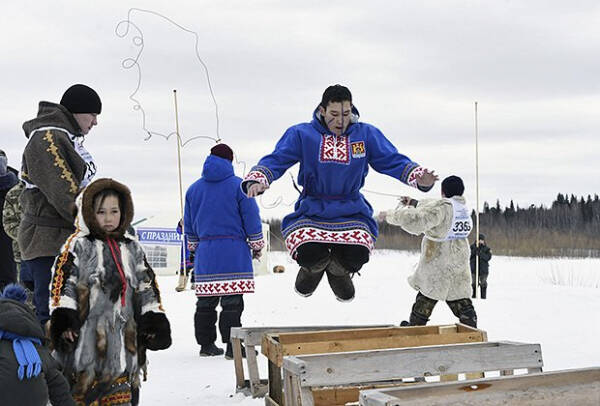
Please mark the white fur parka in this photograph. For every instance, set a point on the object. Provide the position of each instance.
(443, 271)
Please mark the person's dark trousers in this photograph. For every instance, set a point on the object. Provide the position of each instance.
(41, 272)
(423, 307)
(351, 257)
(313, 255)
(482, 283)
(205, 318)
(8, 267)
(25, 276)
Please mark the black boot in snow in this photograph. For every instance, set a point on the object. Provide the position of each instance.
(307, 281)
(342, 286)
(483, 292)
(210, 350)
(404, 323)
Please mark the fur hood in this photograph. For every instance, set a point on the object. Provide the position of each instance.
(86, 217)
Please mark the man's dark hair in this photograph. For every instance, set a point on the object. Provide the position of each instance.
(453, 186)
(335, 94)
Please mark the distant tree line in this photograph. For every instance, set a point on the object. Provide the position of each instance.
(569, 227)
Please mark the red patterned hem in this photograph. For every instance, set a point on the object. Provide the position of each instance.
(412, 177)
(312, 234)
(257, 176)
(230, 287)
(256, 245)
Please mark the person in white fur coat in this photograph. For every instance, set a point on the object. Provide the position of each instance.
(443, 271)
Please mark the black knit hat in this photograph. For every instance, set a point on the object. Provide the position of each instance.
(223, 151)
(81, 99)
(453, 186)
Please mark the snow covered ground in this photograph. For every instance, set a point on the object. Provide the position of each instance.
(554, 302)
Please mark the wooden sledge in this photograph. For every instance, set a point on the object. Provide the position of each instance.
(576, 387)
(277, 346)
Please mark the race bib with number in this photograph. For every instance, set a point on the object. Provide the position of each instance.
(461, 225)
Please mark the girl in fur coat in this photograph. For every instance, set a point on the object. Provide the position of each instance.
(105, 303)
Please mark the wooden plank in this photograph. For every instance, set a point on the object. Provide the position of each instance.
(448, 377)
(270, 402)
(276, 346)
(452, 329)
(476, 375)
(347, 345)
(240, 380)
(253, 335)
(341, 395)
(341, 368)
(306, 397)
(292, 389)
(255, 384)
(556, 388)
(275, 384)
(357, 334)
(271, 349)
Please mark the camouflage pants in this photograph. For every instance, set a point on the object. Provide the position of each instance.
(423, 307)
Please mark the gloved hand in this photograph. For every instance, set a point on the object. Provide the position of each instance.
(64, 329)
(154, 331)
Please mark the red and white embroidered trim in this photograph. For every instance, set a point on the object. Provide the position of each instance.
(231, 287)
(257, 176)
(334, 149)
(311, 234)
(412, 177)
(256, 245)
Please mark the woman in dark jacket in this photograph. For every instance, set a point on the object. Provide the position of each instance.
(28, 373)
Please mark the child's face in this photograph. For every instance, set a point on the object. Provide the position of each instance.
(108, 214)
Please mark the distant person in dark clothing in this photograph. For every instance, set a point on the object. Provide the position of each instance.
(8, 267)
(485, 254)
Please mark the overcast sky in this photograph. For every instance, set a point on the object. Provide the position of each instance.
(414, 68)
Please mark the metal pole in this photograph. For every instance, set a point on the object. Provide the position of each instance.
(477, 204)
(183, 250)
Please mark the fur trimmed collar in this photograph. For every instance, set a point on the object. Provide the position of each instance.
(87, 218)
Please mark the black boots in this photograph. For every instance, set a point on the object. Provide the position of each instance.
(210, 350)
(340, 281)
(307, 281)
(342, 286)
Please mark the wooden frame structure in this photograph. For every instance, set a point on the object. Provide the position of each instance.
(557, 388)
(251, 337)
(277, 346)
(341, 375)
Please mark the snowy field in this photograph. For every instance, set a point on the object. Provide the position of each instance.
(554, 302)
